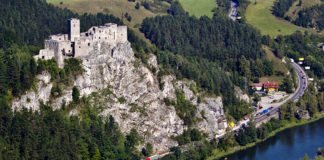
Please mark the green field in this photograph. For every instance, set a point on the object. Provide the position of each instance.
(199, 7)
(278, 65)
(259, 15)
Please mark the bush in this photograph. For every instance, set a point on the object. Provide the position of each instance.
(137, 6)
(75, 95)
(121, 100)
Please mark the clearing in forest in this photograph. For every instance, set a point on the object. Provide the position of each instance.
(259, 15)
(199, 8)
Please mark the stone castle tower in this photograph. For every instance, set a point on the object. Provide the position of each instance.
(73, 29)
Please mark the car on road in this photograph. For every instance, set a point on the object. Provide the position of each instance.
(271, 108)
(274, 101)
(260, 107)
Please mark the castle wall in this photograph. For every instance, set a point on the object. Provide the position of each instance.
(59, 37)
(45, 54)
(82, 47)
(121, 34)
(61, 50)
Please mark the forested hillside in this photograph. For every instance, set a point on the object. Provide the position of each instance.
(217, 39)
(280, 7)
(312, 17)
(203, 49)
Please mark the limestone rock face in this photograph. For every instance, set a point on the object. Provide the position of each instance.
(126, 89)
(210, 112)
(32, 99)
(241, 95)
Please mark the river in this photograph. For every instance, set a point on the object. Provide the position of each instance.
(290, 144)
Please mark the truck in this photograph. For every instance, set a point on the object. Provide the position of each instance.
(265, 111)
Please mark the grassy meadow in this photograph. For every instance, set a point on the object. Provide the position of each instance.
(199, 8)
(279, 66)
(259, 15)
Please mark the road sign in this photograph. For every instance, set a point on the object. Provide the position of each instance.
(307, 67)
(301, 59)
(300, 62)
(311, 79)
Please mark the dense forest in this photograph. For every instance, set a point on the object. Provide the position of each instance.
(217, 39)
(48, 134)
(312, 17)
(280, 7)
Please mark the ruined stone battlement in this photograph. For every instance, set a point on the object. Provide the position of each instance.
(76, 44)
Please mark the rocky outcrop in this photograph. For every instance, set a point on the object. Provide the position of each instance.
(210, 112)
(126, 89)
(241, 95)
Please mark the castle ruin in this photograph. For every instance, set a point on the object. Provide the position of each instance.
(76, 44)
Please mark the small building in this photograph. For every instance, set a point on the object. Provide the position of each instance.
(257, 86)
(270, 86)
(222, 123)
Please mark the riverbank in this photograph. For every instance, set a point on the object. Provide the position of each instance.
(287, 124)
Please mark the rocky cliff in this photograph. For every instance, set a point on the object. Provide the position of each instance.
(125, 88)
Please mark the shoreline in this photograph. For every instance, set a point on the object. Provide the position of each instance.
(288, 125)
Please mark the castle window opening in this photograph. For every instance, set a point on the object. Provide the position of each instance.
(43, 57)
(88, 44)
(59, 38)
(99, 37)
(79, 46)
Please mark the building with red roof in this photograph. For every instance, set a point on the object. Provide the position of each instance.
(270, 86)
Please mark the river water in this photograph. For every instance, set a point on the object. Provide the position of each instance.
(290, 144)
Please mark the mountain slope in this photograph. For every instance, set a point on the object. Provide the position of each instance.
(118, 84)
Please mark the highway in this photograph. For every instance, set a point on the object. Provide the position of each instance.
(302, 85)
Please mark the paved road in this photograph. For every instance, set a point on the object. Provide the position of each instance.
(302, 85)
(233, 12)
